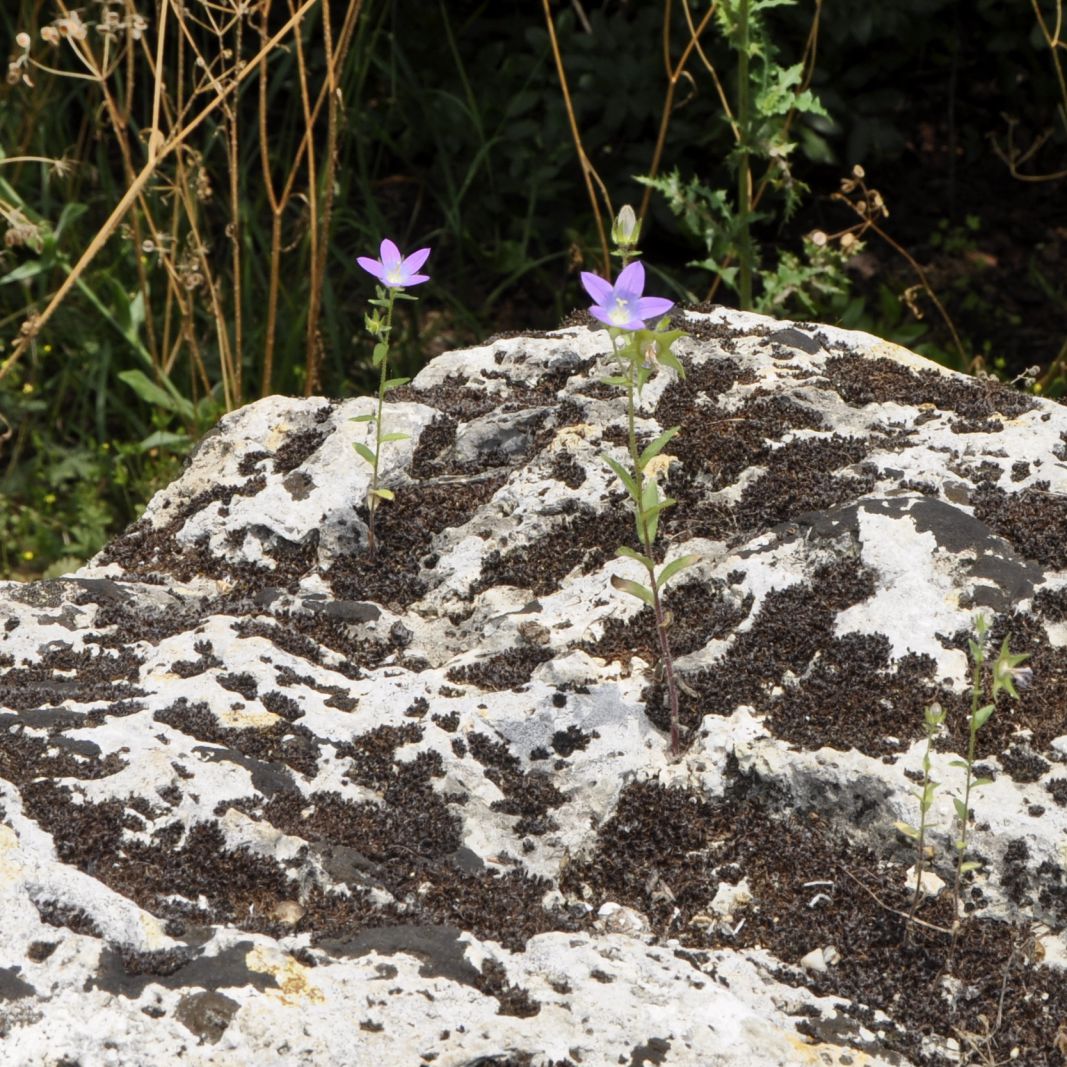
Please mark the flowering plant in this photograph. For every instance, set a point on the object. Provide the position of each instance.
(624, 309)
(395, 272)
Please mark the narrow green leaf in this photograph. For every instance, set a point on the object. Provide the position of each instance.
(616, 379)
(633, 588)
(396, 437)
(362, 418)
(669, 359)
(959, 763)
(970, 865)
(395, 383)
(385, 494)
(365, 452)
(981, 716)
(381, 350)
(961, 811)
(624, 476)
(676, 565)
(657, 446)
(908, 830)
(981, 781)
(629, 553)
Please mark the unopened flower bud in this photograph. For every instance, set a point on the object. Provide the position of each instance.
(626, 229)
(22, 40)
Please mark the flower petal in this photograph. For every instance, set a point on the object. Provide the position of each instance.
(599, 289)
(415, 279)
(632, 279)
(599, 313)
(390, 254)
(415, 260)
(653, 307)
(372, 266)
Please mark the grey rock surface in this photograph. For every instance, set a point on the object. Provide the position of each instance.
(266, 800)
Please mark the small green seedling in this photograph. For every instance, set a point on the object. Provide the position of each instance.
(1005, 671)
(934, 718)
(623, 308)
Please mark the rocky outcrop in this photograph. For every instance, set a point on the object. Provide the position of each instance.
(266, 799)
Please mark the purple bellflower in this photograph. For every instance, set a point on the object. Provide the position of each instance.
(393, 270)
(622, 305)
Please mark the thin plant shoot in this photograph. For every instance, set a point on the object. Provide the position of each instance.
(395, 273)
(624, 310)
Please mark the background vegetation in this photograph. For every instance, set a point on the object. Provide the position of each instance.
(184, 188)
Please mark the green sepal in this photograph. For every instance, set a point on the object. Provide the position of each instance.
(629, 553)
(669, 359)
(385, 494)
(657, 446)
(365, 452)
(633, 588)
(395, 437)
(676, 565)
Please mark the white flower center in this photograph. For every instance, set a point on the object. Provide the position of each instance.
(394, 276)
(620, 312)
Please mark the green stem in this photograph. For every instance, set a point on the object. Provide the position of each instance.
(961, 843)
(744, 184)
(372, 497)
(646, 543)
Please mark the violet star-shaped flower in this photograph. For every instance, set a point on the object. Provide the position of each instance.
(393, 270)
(622, 305)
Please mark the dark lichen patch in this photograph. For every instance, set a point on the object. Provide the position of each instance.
(861, 380)
(91, 836)
(700, 612)
(282, 742)
(506, 670)
(1032, 520)
(587, 541)
(793, 628)
(513, 1000)
(405, 530)
(297, 448)
(574, 739)
(566, 469)
(373, 754)
(698, 844)
(25, 757)
(434, 451)
(205, 661)
(61, 675)
(1057, 787)
(454, 397)
(1023, 765)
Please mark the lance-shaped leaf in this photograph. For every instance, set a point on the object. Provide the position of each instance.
(908, 830)
(395, 437)
(624, 476)
(616, 379)
(676, 565)
(652, 514)
(970, 865)
(961, 811)
(381, 350)
(385, 494)
(629, 553)
(364, 451)
(633, 588)
(981, 716)
(362, 418)
(394, 383)
(652, 450)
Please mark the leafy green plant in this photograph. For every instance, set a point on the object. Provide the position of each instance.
(623, 308)
(986, 681)
(395, 273)
(933, 719)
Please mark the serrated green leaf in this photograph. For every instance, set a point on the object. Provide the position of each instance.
(633, 588)
(395, 437)
(629, 553)
(362, 418)
(365, 452)
(385, 494)
(657, 446)
(676, 565)
(624, 476)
